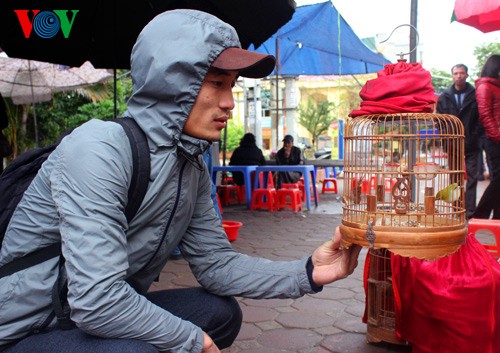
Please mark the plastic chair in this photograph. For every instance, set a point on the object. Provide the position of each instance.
(326, 188)
(303, 191)
(389, 184)
(269, 179)
(290, 186)
(229, 193)
(289, 198)
(263, 198)
(219, 203)
(493, 225)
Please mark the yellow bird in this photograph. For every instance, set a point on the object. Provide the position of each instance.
(450, 194)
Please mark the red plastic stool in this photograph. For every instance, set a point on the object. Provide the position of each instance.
(303, 191)
(290, 186)
(219, 203)
(270, 180)
(365, 187)
(326, 188)
(389, 184)
(493, 225)
(289, 198)
(241, 194)
(229, 193)
(263, 198)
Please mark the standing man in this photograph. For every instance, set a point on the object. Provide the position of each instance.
(183, 67)
(460, 100)
(289, 155)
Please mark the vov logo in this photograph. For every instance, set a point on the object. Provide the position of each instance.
(46, 24)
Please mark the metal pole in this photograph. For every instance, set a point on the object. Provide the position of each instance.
(277, 91)
(35, 122)
(413, 34)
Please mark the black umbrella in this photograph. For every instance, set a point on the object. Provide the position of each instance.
(71, 32)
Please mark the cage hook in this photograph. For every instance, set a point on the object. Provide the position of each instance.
(401, 55)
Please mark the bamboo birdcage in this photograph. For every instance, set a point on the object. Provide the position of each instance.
(380, 306)
(394, 166)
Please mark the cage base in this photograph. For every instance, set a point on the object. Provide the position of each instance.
(422, 245)
(376, 334)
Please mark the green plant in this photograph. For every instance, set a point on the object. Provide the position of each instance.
(235, 131)
(441, 80)
(483, 52)
(316, 118)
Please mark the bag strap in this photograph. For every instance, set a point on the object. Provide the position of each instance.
(136, 193)
(142, 165)
(31, 259)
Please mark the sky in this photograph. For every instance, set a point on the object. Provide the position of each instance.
(442, 44)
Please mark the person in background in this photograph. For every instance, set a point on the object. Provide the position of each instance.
(289, 155)
(184, 66)
(488, 102)
(247, 153)
(460, 100)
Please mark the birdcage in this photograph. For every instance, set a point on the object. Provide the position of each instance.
(404, 183)
(381, 317)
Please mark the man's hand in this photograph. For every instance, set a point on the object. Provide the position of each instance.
(209, 345)
(332, 263)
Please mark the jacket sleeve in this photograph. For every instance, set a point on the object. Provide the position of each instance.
(485, 100)
(223, 271)
(90, 184)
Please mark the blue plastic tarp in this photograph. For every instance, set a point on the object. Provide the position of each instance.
(309, 45)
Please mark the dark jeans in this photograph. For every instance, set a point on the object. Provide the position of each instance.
(481, 161)
(490, 201)
(219, 317)
(471, 167)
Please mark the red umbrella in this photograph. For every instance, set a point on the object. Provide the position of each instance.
(483, 15)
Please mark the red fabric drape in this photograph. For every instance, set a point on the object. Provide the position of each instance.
(398, 88)
(450, 305)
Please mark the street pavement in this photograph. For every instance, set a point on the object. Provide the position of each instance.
(325, 322)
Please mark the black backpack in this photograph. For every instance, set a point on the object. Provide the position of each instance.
(20, 172)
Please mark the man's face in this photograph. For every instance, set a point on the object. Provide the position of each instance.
(287, 144)
(211, 109)
(459, 76)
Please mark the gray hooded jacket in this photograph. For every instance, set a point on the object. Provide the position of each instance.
(79, 196)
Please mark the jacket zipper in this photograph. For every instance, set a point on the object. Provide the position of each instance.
(177, 197)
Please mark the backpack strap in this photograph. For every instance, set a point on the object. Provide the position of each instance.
(142, 165)
(136, 193)
(31, 259)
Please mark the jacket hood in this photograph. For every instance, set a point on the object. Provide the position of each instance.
(169, 62)
(490, 80)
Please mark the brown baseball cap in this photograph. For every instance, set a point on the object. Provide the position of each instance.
(248, 63)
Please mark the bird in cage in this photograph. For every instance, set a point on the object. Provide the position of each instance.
(449, 194)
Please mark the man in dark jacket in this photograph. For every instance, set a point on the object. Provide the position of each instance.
(460, 100)
(289, 155)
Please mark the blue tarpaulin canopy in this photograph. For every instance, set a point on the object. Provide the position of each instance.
(310, 44)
